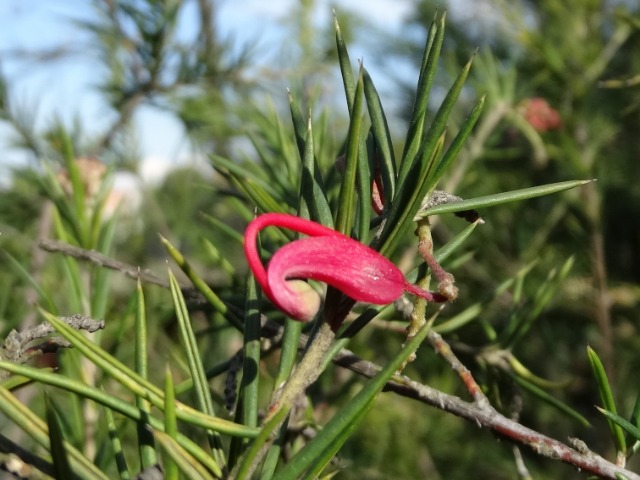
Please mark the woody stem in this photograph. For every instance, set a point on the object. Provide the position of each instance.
(446, 281)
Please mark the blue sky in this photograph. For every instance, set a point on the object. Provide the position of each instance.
(64, 88)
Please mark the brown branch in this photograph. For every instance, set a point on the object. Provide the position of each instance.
(195, 300)
(15, 347)
(484, 415)
(101, 260)
(463, 372)
(446, 282)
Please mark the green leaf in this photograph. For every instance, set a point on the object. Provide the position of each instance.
(111, 402)
(286, 157)
(356, 172)
(501, 198)
(52, 189)
(428, 68)
(288, 356)
(385, 161)
(455, 243)
(105, 234)
(473, 311)
(197, 281)
(525, 316)
(22, 273)
(76, 295)
(258, 195)
(460, 319)
(348, 79)
(228, 167)
(300, 127)
(188, 465)
(606, 396)
(200, 383)
(16, 381)
(78, 190)
(214, 371)
(547, 398)
(258, 190)
(635, 415)
(311, 183)
(330, 450)
(629, 427)
(251, 360)
(146, 446)
(61, 464)
(363, 187)
(415, 179)
(430, 144)
(116, 444)
(28, 421)
(248, 400)
(346, 201)
(170, 423)
(101, 229)
(140, 329)
(260, 440)
(138, 385)
(351, 330)
(407, 202)
(223, 227)
(273, 148)
(312, 196)
(216, 257)
(458, 142)
(331, 438)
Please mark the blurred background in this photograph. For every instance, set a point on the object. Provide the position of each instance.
(147, 91)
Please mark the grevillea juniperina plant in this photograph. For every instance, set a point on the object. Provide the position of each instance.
(360, 225)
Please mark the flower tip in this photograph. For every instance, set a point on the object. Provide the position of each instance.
(307, 301)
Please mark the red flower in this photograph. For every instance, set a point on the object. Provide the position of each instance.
(328, 256)
(540, 114)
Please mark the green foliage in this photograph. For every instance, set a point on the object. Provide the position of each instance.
(532, 279)
(606, 396)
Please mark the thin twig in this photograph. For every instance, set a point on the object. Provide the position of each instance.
(488, 417)
(446, 282)
(463, 372)
(101, 260)
(15, 347)
(194, 298)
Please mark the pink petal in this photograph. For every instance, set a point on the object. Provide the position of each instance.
(327, 256)
(277, 220)
(353, 268)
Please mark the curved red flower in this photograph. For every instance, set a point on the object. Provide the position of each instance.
(327, 256)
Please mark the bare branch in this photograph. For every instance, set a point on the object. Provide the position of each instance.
(101, 260)
(484, 415)
(15, 347)
(463, 372)
(194, 298)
